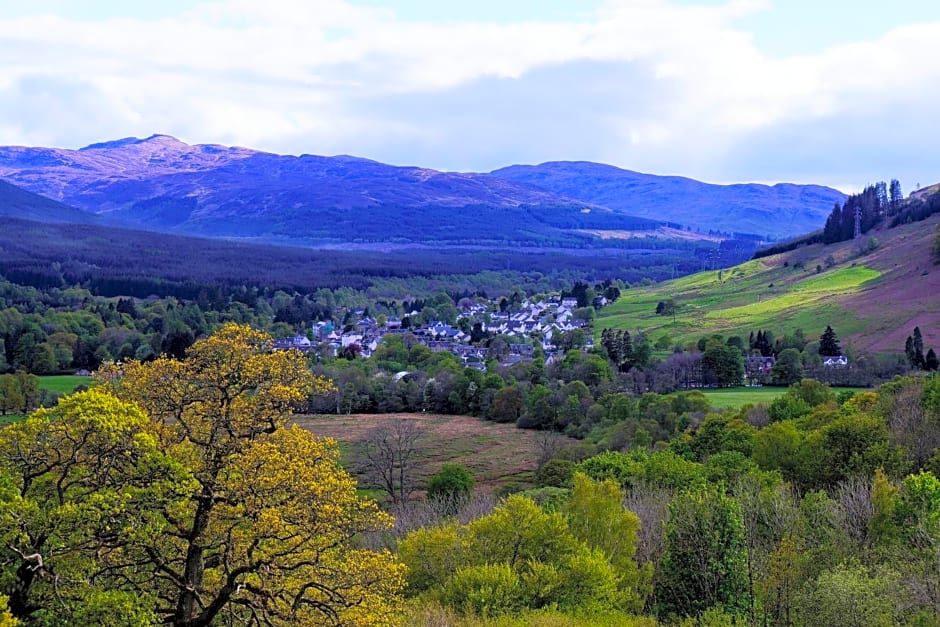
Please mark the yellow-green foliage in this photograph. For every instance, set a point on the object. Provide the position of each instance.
(6, 619)
(423, 613)
(521, 557)
(753, 295)
(174, 492)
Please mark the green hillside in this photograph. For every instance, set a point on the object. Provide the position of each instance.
(872, 292)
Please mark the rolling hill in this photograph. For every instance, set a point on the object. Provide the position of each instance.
(19, 203)
(777, 211)
(873, 296)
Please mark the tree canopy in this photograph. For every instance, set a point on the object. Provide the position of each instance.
(174, 492)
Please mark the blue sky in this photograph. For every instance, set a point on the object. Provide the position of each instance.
(835, 92)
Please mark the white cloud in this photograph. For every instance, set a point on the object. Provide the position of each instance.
(641, 83)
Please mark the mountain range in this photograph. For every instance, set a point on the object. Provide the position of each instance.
(160, 183)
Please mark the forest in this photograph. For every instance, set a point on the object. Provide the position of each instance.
(176, 492)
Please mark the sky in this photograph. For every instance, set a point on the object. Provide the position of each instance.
(835, 92)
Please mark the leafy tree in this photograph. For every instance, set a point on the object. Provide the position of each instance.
(11, 397)
(555, 473)
(596, 516)
(29, 390)
(788, 368)
(853, 595)
(451, 485)
(722, 365)
(508, 405)
(705, 562)
(829, 343)
(265, 525)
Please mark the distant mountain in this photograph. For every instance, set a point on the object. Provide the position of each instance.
(164, 184)
(19, 203)
(160, 183)
(779, 211)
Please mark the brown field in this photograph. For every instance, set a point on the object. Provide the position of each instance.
(496, 454)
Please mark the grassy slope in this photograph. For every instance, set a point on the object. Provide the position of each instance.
(496, 454)
(872, 300)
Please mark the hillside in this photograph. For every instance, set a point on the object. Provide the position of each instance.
(778, 211)
(19, 203)
(160, 183)
(872, 299)
(113, 261)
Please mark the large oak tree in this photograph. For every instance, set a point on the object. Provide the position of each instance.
(175, 493)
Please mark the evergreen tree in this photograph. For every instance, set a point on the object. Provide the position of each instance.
(916, 356)
(829, 343)
(931, 362)
(894, 194)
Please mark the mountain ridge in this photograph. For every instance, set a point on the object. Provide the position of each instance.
(735, 207)
(162, 183)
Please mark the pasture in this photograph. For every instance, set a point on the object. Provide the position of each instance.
(496, 454)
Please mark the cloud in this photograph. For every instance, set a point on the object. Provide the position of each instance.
(645, 84)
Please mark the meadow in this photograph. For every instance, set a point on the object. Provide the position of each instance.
(498, 455)
(63, 384)
(735, 398)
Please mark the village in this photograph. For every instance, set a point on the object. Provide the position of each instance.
(551, 326)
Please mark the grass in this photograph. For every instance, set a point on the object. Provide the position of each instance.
(9, 419)
(735, 398)
(63, 384)
(754, 295)
(496, 454)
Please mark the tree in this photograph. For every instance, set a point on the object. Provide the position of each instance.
(262, 527)
(914, 350)
(507, 405)
(597, 517)
(722, 365)
(450, 486)
(619, 347)
(931, 363)
(854, 596)
(705, 562)
(389, 456)
(788, 368)
(11, 397)
(829, 343)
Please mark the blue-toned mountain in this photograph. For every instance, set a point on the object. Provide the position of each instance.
(778, 211)
(164, 184)
(161, 183)
(18, 203)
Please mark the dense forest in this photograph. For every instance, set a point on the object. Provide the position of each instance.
(119, 262)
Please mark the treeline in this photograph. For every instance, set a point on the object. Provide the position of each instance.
(118, 262)
(871, 207)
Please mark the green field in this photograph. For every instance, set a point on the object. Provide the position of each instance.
(760, 294)
(63, 384)
(735, 398)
